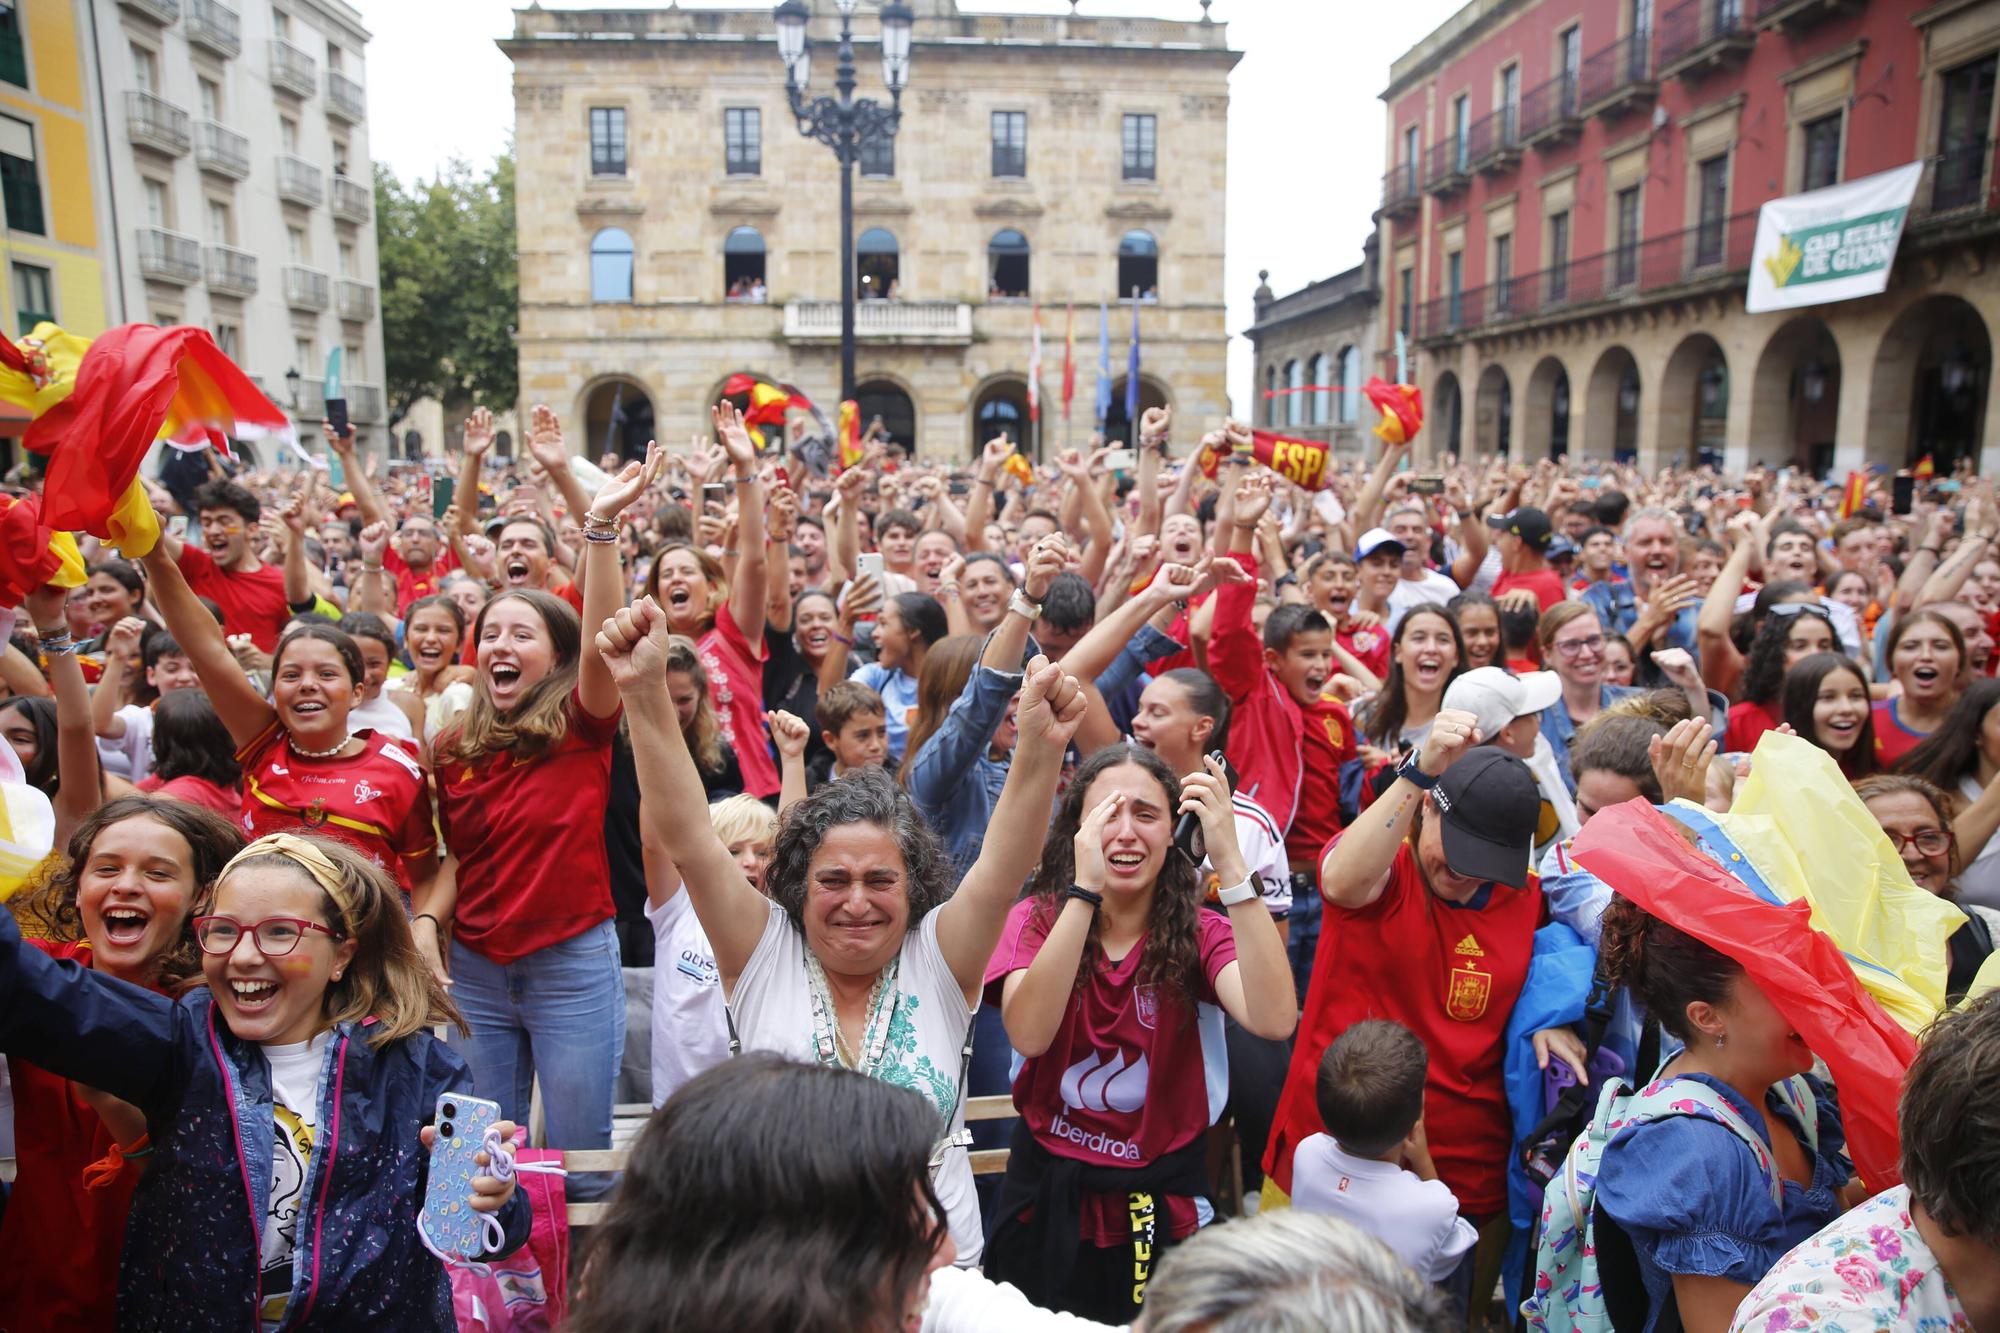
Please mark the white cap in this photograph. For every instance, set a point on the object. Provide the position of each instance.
(1496, 697)
(1374, 540)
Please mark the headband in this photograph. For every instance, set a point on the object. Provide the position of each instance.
(316, 863)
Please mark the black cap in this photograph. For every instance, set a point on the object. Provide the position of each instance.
(1529, 524)
(1490, 806)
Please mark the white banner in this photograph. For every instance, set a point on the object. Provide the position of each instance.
(1830, 244)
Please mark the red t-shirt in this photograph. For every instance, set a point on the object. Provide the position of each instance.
(377, 802)
(1747, 722)
(62, 1241)
(225, 801)
(1125, 1082)
(736, 683)
(1893, 740)
(409, 587)
(1449, 974)
(252, 604)
(1328, 742)
(529, 838)
(1370, 645)
(1545, 583)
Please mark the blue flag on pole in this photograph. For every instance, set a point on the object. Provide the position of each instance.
(1132, 371)
(1103, 363)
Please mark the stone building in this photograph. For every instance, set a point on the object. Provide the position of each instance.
(1314, 349)
(1570, 205)
(675, 228)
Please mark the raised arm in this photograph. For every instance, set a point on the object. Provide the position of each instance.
(366, 498)
(749, 585)
(633, 646)
(790, 734)
(124, 641)
(1473, 538)
(373, 591)
(1010, 639)
(1034, 999)
(298, 578)
(843, 551)
(1154, 425)
(1972, 548)
(546, 444)
(861, 597)
(979, 503)
(76, 744)
(243, 710)
(1256, 990)
(1355, 870)
(1368, 504)
(1094, 653)
(477, 439)
(603, 590)
(1721, 663)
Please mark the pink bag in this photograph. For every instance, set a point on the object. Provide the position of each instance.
(528, 1290)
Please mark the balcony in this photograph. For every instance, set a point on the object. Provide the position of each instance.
(1715, 254)
(1793, 15)
(351, 200)
(364, 402)
(299, 181)
(214, 25)
(169, 256)
(160, 11)
(1400, 191)
(292, 70)
(934, 323)
(1445, 167)
(306, 288)
(231, 271)
(153, 122)
(1699, 37)
(1619, 78)
(1548, 112)
(354, 300)
(1962, 178)
(219, 149)
(345, 99)
(1493, 143)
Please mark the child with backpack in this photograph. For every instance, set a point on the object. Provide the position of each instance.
(286, 1168)
(1681, 1195)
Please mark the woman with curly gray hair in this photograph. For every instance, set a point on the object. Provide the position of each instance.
(865, 955)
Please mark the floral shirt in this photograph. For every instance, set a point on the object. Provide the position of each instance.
(1869, 1270)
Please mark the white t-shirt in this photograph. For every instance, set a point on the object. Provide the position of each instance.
(690, 1033)
(129, 756)
(1417, 1219)
(295, 1071)
(773, 1005)
(1433, 589)
(381, 715)
(1263, 849)
(962, 1301)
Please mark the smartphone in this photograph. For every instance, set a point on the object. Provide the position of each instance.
(871, 564)
(336, 416)
(1188, 839)
(716, 491)
(442, 490)
(1902, 495)
(1429, 484)
(784, 477)
(177, 526)
(448, 1217)
(1121, 460)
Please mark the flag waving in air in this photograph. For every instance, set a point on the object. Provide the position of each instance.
(1402, 408)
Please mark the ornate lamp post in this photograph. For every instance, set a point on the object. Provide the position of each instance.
(844, 124)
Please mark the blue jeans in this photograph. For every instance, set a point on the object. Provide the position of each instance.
(559, 1012)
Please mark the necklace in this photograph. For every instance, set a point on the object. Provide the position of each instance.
(829, 1043)
(304, 753)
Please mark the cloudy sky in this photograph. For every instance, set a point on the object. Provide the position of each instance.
(1305, 125)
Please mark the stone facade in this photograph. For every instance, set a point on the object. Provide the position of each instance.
(1315, 347)
(944, 361)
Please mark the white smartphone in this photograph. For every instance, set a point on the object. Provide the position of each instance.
(1121, 460)
(871, 563)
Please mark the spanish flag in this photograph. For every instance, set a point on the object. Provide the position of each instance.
(1852, 494)
(1402, 408)
(1925, 469)
(850, 434)
(766, 405)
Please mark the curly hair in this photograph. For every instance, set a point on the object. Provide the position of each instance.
(1665, 968)
(869, 796)
(1172, 963)
(1764, 671)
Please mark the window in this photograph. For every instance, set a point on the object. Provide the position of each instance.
(1510, 103)
(1010, 143)
(1712, 225)
(1822, 153)
(1347, 382)
(1411, 149)
(1322, 390)
(1141, 136)
(228, 338)
(1570, 62)
(145, 68)
(1407, 300)
(1455, 286)
(332, 56)
(607, 141)
(1007, 257)
(296, 246)
(1461, 126)
(611, 266)
(221, 224)
(1559, 256)
(878, 156)
(1642, 19)
(20, 183)
(351, 364)
(345, 259)
(159, 203)
(1626, 267)
(1503, 272)
(1139, 265)
(1962, 144)
(875, 267)
(1270, 395)
(743, 265)
(209, 95)
(304, 352)
(13, 57)
(34, 297)
(288, 135)
(1295, 398)
(339, 158)
(281, 24)
(743, 140)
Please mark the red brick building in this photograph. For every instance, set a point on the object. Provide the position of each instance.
(1571, 199)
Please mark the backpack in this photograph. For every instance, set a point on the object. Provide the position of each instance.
(1569, 1293)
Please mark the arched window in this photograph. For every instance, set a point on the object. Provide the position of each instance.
(1139, 266)
(1007, 262)
(1270, 395)
(611, 266)
(875, 264)
(1295, 401)
(1347, 384)
(1322, 394)
(743, 265)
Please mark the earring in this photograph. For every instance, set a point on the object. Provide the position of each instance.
(336, 977)
(1721, 1039)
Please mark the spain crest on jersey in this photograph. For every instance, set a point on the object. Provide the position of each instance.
(1470, 989)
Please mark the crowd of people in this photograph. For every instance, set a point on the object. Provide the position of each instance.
(1186, 806)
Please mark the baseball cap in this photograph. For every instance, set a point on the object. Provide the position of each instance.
(1529, 524)
(1496, 697)
(1560, 547)
(1488, 807)
(1374, 540)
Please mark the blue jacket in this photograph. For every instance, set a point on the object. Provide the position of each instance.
(952, 780)
(1617, 608)
(193, 1242)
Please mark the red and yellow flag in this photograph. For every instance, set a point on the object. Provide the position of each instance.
(1402, 408)
(850, 434)
(1925, 469)
(1301, 462)
(1852, 495)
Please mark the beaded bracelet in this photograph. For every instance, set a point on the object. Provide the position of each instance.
(590, 535)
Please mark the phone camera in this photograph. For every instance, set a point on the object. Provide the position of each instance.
(449, 1110)
(445, 1130)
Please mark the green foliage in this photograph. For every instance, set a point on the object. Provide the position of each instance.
(450, 285)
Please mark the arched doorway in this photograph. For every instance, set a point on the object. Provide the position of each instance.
(1795, 396)
(1001, 408)
(1493, 412)
(876, 265)
(1694, 403)
(1446, 411)
(1928, 390)
(617, 419)
(1611, 407)
(1545, 419)
(1117, 427)
(886, 399)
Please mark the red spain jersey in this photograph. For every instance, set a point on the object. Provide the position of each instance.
(1448, 973)
(376, 802)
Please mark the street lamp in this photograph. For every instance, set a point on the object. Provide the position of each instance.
(292, 378)
(844, 124)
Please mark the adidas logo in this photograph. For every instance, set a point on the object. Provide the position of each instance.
(1469, 947)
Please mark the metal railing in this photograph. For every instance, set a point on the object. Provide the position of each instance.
(292, 70)
(1493, 136)
(169, 256)
(924, 321)
(1692, 27)
(345, 97)
(1959, 175)
(1549, 108)
(1401, 187)
(221, 149)
(160, 11)
(354, 300)
(306, 288)
(232, 270)
(364, 401)
(155, 122)
(212, 24)
(1445, 164)
(351, 200)
(299, 181)
(1623, 67)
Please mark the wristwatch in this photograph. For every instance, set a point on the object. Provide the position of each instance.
(1238, 893)
(1019, 603)
(1419, 779)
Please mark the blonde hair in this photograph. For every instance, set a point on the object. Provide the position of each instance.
(704, 734)
(743, 818)
(388, 981)
(540, 721)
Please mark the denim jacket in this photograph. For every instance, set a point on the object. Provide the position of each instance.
(953, 780)
(1617, 608)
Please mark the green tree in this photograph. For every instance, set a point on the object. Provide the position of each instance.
(450, 285)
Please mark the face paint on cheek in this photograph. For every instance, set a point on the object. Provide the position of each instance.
(299, 967)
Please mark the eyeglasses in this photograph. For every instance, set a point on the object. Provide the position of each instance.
(276, 935)
(1929, 842)
(1573, 648)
